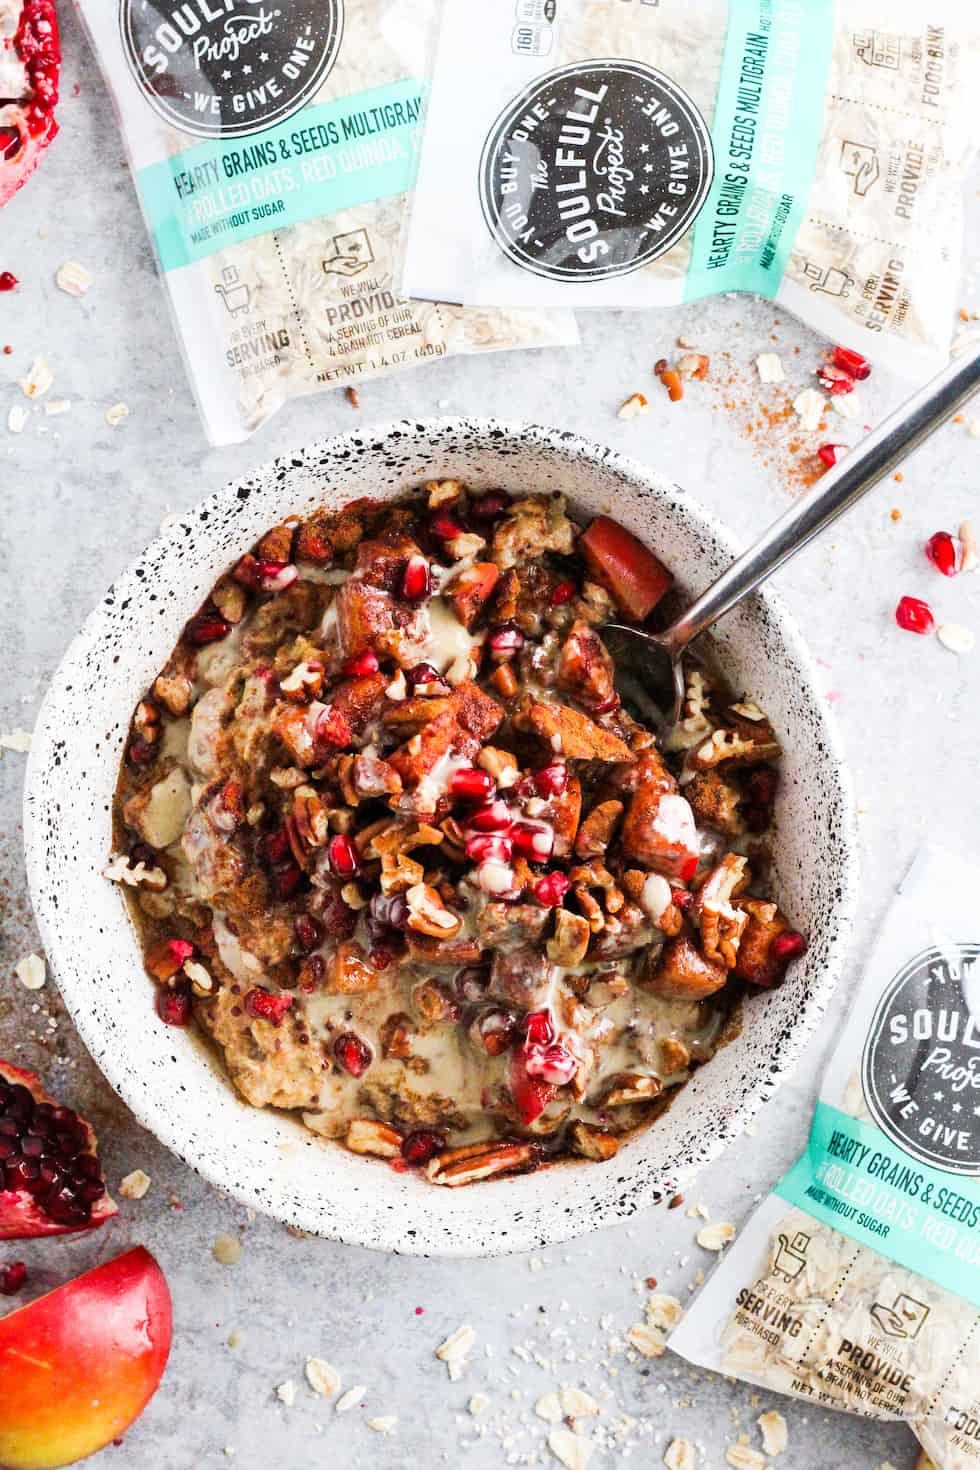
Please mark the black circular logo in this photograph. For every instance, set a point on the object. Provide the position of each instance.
(595, 170)
(223, 68)
(921, 1069)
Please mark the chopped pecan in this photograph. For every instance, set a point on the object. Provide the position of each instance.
(681, 972)
(503, 926)
(720, 924)
(745, 743)
(674, 1056)
(596, 831)
(757, 961)
(442, 492)
(585, 668)
(451, 953)
(310, 817)
(533, 526)
(368, 1136)
(571, 939)
(394, 1037)
(593, 1143)
(458, 1166)
(631, 1087)
(399, 872)
(499, 764)
(695, 721)
(230, 598)
(175, 692)
(348, 972)
(434, 1002)
(304, 682)
(567, 732)
(427, 914)
(595, 874)
(504, 681)
(372, 777)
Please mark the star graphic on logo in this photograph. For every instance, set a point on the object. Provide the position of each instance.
(246, 71)
(957, 1108)
(644, 189)
(264, 56)
(648, 168)
(644, 147)
(976, 1112)
(937, 1097)
(226, 76)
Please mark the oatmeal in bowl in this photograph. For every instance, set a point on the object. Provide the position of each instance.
(399, 849)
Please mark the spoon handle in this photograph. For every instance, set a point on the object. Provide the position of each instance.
(864, 467)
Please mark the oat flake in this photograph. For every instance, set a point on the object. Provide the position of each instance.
(227, 1250)
(741, 1457)
(775, 1434)
(716, 1237)
(115, 415)
(956, 637)
(384, 1424)
(572, 1450)
(455, 1350)
(810, 406)
(548, 1408)
(680, 1455)
(73, 278)
(286, 1393)
(31, 972)
(322, 1377)
(135, 1185)
(770, 367)
(38, 380)
(350, 1399)
(16, 419)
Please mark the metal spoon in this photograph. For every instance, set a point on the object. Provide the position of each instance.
(653, 673)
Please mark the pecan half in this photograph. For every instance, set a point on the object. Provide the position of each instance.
(368, 1136)
(631, 1087)
(571, 939)
(593, 1143)
(458, 1166)
(595, 833)
(427, 914)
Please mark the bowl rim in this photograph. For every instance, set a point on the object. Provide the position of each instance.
(289, 1210)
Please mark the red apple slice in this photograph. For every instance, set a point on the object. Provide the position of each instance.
(79, 1365)
(628, 571)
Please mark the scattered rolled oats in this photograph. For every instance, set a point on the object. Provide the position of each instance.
(135, 1185)
(548, 1408)
(634, 406)
(227, 1250)
(116, 413)
(38, 379)
(770, 368)
(31, 971)
(322, 1377)
(73, 278)
(774, 1430)
(716, 1237)
(455, 1349)
(16, 740)
(742, 1457)
(956, 637)
(810, 406)
(16, 419)
(969, 559)
(577, 1404)
(701, 1212)
(647, 1340)
(286, 1392)
(848, 405)
(680, 1455)
(385, 1424)
(478, 1404)
(663, 1311)
(350, 1399)
(973, 428)
(53, 406)
(572, 1450)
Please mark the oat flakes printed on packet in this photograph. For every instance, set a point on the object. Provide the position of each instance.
(616, 153)
(856, 1284)
(273, 150)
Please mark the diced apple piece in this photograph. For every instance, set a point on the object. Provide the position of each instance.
(624, 566)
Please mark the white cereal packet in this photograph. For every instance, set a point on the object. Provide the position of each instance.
(618, 153)
(856, 1284)
(273, 149)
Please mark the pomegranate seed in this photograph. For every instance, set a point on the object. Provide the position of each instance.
(789, 946)
(265, 1006)
(688, 869)
(353, 1054)
(852, 362)
(422, 1145)
(276, 576)
(490, 847)
(473, 785)
(309, 932)
(490, 507)
(416, 580)
(941, 550)
(425, 679)
(496, 816)
(836, 384)
(831, 453)
(554, 1063)
(12, 1277)
(551, 780)
(681, 899)
(274, 846)
(8, 281)
(551, 889)
(342, 855)
(505, 642)
(445, 527)
(914, 615)
(141, 752)
(174, 1006)
(539, 1029)
(361, 665)
(207, 627)
(561, 593)
(286, 879)
(533, 841)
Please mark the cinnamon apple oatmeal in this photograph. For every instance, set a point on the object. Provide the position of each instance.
(395, 843)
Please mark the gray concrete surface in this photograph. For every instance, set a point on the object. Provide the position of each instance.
(79, 499)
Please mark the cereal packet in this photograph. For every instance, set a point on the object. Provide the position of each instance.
(273, 149)
(856, 1284)
(643, 153)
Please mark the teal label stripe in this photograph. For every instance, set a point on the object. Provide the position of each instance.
(766, 131)
(853, 1178)
(329, 157)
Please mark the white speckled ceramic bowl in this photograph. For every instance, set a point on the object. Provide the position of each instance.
(172, 1082)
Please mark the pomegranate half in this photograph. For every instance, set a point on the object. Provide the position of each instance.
(30, 62)
(51, 1180)
(79, 1365)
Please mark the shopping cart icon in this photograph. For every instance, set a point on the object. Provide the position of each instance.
(236, 294)
(791, 1255)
